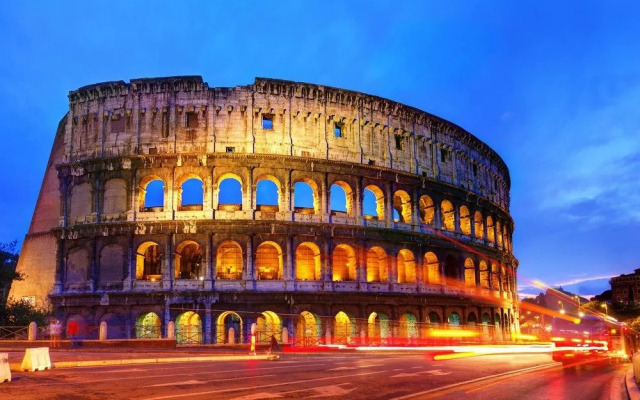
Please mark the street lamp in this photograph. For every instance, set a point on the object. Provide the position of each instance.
(561, 307)
(580, 313)
(606, 309)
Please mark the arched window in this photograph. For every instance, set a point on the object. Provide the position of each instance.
(344, 263)
(504, 280)
(406, 267)
(80, 200)
(454, 318)
(112, 262)
(224, 323)
(495, 278)
(77, 270)
(378, 328)
(479, 225)
(308, 262)
(471, 318)
(486, 318)
(341, 198)
(115, 196)
(451, 270)
(188, 261)
(343, 328)
(149, 261)
(148, 326)
(308, 329)
(434, 318)
(153, 195)
(188, 328)
(229, 260)
(373, 203)
(490, 230)
(408, 327)
(402, 205)
(484, 274)
(268, 325)
(268, 194)
(427, 209)
(431, 268)
(305, 197)
(465, 221)
(268, 261)
(469, 273)
(191, 195)
(377, 268)
(448, 216)
(229, 193)
(499, 233)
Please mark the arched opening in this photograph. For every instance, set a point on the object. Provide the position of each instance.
(112, 262)
(427, 209)
(115, 196)
(268, 324)
(308, 329)
(191, 195)
(188, 261)
(495, 278)
(343, 329)
(484, 274)
(229, 193)
(344, 263)
(377, 268)
(448, 216)
(490, 230)
(341, 199)
(408, 327)
(469, 273)
(486, 319)
(503, 279)
(77, 265)
(188, 328)
(451, 270)
(269, 261)
(308, 262)
(402, 205)
(149, 262)
(406, 267)
(434, 318)
(479, 225)
(465, 221)
(148, 326)
(497, 321)
(226, 321)
(471, 318)
(229, 261)
(115, 325)
(76, 327)
(152, 192)
(454, 319)
(373, 203)
(499, 233)
(431, 268)
(268, 194)
(305, 197)
(378, 330)
(81, 200)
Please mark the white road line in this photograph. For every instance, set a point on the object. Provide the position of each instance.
(321, 391)
(262, 386)
(195, 382)
(516, 372)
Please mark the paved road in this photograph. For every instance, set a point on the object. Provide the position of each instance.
(388, 377)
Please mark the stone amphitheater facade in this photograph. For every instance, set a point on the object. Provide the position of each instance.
(436, 249)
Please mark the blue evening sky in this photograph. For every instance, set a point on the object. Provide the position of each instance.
(552, 86)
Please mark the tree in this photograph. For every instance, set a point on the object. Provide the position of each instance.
(8, 262)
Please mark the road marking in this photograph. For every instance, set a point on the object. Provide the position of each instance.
(194, 382)
(262, 386)
(455, 385)
(341, 369)
(431, 372)
(322, 391)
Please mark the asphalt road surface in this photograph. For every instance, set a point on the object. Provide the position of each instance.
(352, 376)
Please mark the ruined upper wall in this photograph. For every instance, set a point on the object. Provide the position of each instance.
(183, 115)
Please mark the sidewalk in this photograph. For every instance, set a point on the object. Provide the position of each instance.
(632, 387)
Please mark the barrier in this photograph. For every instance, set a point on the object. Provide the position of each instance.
(636, 366)
(36, 359)
(5, 371)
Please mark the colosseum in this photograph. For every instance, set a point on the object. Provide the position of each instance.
(319, 214)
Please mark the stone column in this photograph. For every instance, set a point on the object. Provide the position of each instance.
(249, 271)
(207, 324)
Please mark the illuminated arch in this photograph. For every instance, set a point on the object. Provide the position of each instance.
(301, 189)
(229, 195)
(344, 263)
(268, 193)
(427, 209)
(465, 221)
(188, 328)
(148, 326)
(344, 328)
(471, 318)
(495, 278)
(188, 261)
(448, 216)
(149, 261)
(224, 322)
(229, 262)
(490, 230)
(377, 265)
(408, 326)
(402, 204)
(431, 268)
(469, 273)
(499, 233)
(454, 319)
(268, 324)
(336, 202)
(484, 274)
(308, 329)
(433, 317)
(308, 262)
(406, 267)
(268, 261)
(378, 329)
(478, 225)
(373, 194)
(151, 193)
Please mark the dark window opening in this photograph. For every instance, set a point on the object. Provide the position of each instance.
(192, 120)
(337, 130)
(117, 124)
(230, 149)
(444, 155)
(475, 170)
(399, 142)
(267, 121)
(165, 124)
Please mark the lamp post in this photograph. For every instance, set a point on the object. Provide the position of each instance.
(580, 313)
(606, 309)
(561, 307)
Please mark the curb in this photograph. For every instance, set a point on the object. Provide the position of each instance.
(99, 363)
(632, 388)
